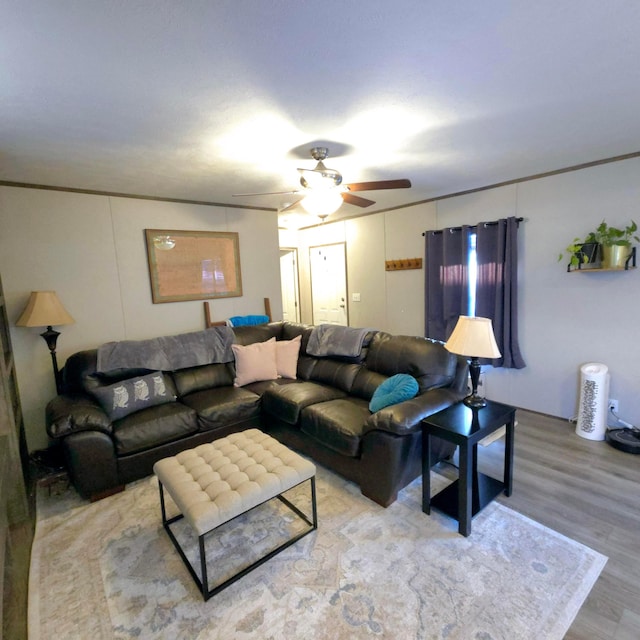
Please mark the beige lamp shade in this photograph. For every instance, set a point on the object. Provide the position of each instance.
(44, 309)
(473, 337)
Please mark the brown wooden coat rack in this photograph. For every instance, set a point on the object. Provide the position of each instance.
(402, 264)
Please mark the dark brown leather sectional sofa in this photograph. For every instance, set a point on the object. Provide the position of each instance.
(324, 413)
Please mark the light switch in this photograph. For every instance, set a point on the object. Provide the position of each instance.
(355, 297)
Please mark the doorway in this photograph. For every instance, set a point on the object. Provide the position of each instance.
(289, 285)
(329, 284)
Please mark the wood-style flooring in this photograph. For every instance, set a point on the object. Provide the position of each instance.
(589, 492)
(585, 490)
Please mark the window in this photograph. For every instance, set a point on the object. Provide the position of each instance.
(472, 266)
(472, 270)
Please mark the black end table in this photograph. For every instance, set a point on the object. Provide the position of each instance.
(472, 491)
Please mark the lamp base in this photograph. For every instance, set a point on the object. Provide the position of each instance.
(475, 401)
(51, 338)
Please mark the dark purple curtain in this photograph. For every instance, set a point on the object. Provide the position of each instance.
(447, 280)
(497, 287)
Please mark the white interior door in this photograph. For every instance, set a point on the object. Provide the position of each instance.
(289, 284)
(329, 284)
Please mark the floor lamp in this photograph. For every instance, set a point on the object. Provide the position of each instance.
(44, 309)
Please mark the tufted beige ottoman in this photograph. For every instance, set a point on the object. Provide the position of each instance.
(217, 482)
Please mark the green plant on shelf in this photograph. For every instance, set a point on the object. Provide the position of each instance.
(613, 236)
(577, 252)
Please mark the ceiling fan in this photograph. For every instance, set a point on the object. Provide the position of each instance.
(324, 192)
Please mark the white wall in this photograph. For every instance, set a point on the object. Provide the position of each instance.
(404, 239)
(91, 250)
(566, 319)
(365, 271)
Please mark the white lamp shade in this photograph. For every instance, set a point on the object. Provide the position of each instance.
(322, 202)
(473, 337)
(44, 309)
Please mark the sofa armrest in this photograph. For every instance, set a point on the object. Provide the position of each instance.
(71, 413)
(405, 417)
(92, 463)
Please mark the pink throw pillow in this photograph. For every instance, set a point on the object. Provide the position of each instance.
(255, 362)
(287, 357)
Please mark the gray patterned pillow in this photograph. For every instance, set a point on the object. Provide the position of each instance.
(128, 396)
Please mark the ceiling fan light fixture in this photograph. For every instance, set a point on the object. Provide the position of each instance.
(322, 203)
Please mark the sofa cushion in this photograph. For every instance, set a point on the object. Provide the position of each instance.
(366, 383)
(306, 365)
(249, 334)
(337, 374)
(76, 368)
(223, 406)
(261, 386)
(206, 377)
(424, 359)
(154, 426)
(292, 329)
(285, 402)
(393, 390)
(255, 362)
(337, 424)
(135, 394)
(287, 357)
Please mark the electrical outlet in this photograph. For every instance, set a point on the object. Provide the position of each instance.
(613, 405)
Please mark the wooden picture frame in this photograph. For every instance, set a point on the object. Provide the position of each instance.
(193, 265)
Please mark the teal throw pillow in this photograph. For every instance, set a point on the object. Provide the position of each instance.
(395, 389)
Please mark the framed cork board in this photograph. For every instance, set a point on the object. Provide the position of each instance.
(193, 265)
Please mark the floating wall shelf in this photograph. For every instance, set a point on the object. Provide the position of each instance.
(629, 264)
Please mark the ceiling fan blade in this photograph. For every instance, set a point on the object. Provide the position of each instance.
(293, 205)
(267, 193)
(356, 200)
(402, 183)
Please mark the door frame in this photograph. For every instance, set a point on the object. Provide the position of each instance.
(296, 277)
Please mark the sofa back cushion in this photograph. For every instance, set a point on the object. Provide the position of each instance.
(206, 377)
(424, 359)
(306, 364)
(76, 368)
(257, 333)
(292, 329)
(366, 382)
(340, 375)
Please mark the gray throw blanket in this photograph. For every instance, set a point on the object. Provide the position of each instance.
(336, 340)
(168, 353)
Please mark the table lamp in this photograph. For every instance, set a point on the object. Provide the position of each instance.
(473, 337)
(44, 309)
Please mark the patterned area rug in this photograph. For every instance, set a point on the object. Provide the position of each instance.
(108, 571)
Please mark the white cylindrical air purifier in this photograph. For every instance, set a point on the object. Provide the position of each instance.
(594, 401)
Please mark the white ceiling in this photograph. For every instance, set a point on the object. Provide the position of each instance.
(202, 99)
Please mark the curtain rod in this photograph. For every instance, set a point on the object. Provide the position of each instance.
(474, 226)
